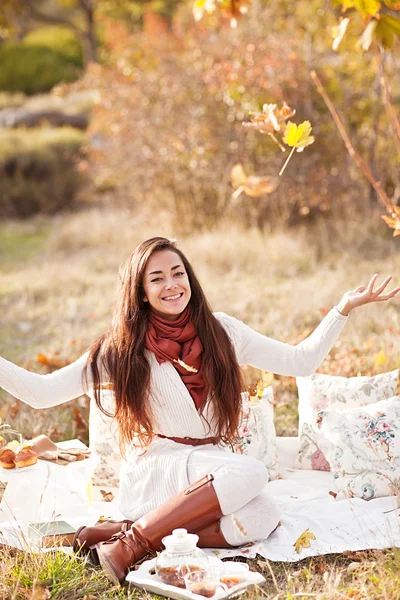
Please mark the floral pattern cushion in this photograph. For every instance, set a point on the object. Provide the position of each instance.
(319, 392)
(364, 449)
(257, 436)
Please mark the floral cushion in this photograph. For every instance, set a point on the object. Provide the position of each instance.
(364, 449)
(319, 392)
(257, 436)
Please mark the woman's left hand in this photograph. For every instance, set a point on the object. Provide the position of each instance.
(365, 295)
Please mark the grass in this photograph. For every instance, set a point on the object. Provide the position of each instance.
(367, 575)
(58, 282)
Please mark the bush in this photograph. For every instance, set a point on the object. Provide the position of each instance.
(38, 171)
(58, 39)
(33, 69)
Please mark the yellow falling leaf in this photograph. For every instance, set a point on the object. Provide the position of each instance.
(380, 359)
(185, 366)
(394, 220)
(304, 540)
(252, 185)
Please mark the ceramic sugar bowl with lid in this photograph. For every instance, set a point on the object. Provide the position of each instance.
(181, 556)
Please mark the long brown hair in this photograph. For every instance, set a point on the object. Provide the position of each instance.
(121, 351)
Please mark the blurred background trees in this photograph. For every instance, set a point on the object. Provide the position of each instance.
(165, 96)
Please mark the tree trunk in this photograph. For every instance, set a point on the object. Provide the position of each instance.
(88, 37)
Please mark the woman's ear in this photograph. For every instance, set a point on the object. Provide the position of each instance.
(145, 298)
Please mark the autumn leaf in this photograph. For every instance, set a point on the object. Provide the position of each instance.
(394, 220)
(38, 592)
(271, 119)
(298, 136)
(107, 496)
(304, 540)
(367, 37)
(338, 33)
(252, 185)
(203, 6)
(367, 8)
(185, 366)
(380, 359)
(50, 361)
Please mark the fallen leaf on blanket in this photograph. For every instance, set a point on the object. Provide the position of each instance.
(334, 494)
(304, 540)
(107, 496)
(103, 519)
(185, 366)
(37, 592)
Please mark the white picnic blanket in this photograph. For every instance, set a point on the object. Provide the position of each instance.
(338, 525)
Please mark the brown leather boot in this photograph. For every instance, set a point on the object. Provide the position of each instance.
(211, 536)
(194, 508)
(87, 537)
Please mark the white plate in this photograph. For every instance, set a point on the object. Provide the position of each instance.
(145, 580)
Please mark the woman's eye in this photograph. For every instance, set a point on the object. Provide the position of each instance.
(156, 279)
(180, 273)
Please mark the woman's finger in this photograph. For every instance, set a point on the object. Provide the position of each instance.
(389, 295)
(372, 282)
(383, 285)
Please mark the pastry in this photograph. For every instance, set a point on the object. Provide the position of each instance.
(7, 459)
(25, 458)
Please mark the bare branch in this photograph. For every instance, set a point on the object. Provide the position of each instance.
(382, 196)
(387, 100)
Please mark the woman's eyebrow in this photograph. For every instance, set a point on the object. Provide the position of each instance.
(158, 272)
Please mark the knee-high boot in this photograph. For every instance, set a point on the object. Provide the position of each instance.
(211, 536)
(194, 508)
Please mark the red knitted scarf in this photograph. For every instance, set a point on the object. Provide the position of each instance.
(178, 342)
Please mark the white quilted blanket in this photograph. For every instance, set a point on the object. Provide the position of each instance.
(337, 525)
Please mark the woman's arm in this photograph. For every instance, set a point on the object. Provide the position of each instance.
(267, 354)
(262, 352)
(42, 391)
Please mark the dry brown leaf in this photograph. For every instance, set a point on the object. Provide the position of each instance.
(107, 496)
(252, 186)
(37, 592)
(271, 119)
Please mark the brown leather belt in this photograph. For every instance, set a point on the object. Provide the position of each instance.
(190, 441)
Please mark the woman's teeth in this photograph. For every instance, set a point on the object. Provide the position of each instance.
(173, 297)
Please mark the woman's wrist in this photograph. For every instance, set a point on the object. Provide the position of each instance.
(343, 307)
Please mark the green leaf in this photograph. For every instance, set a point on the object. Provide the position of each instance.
(298, 136)
(387, 29)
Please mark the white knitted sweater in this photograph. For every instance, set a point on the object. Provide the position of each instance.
(174, 411)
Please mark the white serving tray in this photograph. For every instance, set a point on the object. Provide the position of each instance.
(145, 580)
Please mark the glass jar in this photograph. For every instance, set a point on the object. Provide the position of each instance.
(181, 556)
(9, 438)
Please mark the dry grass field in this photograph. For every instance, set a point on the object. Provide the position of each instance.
(58, 281)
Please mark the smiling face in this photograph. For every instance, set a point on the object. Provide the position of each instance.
(166, 284)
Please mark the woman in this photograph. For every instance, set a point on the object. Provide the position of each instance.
(175, 370)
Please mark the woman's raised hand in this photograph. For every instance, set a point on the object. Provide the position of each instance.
(365, 295)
